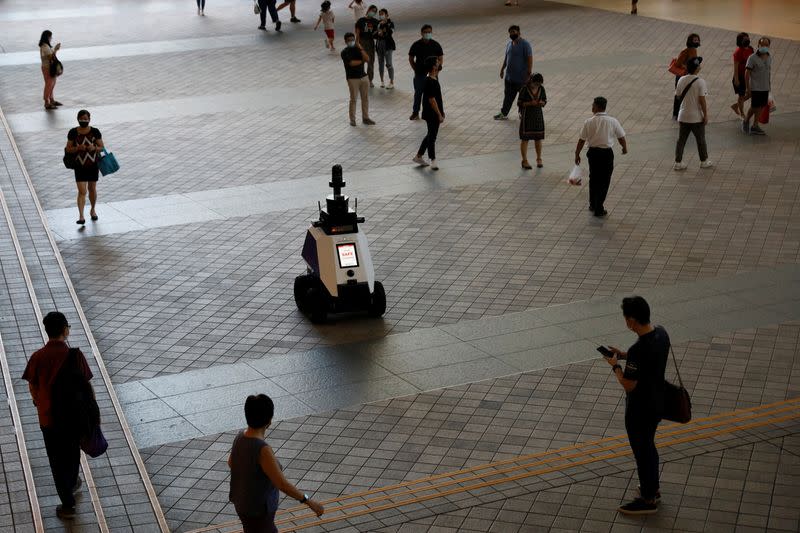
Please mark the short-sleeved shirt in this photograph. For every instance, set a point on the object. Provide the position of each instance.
(327, 19)
(646, 363)
(759, 72)
(433, 90)
(351, 54)
(740, 56)
(85, 159)
(367, 26)
(691, 112)
(517, 54)
(384, 35)
(601, 131)
(422, 50)
(359, 10)
(41, 372)
(46, 54)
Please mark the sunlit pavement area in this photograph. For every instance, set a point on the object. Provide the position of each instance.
(478, 402)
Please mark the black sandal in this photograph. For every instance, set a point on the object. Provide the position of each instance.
(95, 217)
(81, 221)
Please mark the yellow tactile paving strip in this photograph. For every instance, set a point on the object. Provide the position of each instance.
(527, 466)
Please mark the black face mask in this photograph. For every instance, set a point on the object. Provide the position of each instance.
(83, 123)
(745, 43)
(514, 36)
(694, 45)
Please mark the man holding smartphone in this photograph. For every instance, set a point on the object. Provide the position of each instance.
(643, 381)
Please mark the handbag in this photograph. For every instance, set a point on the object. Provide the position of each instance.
(56, 67)
(256, 9)
(108, 163)
(94, 444)
(677, 403)
(675, 69)
(69, 160)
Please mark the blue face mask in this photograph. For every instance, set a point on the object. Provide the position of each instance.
(351, 44)
(763, 50)
(382, 17)
(427, 36)
(372, 14)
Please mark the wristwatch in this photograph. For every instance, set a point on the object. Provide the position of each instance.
(305, 498)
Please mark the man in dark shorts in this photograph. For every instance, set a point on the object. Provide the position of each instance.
(61, 444)
(643, 381)
(756, 76)
(421, 50)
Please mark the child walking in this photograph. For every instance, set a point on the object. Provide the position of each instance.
(326, 18)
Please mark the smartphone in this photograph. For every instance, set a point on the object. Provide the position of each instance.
(605, 351)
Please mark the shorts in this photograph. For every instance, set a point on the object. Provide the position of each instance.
(87, 173)
(759, 98)
(329, 34)
(741, 89)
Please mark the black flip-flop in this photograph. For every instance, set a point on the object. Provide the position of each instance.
(95, 217)
(81, 221)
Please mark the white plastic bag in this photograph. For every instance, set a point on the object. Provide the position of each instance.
(771, 104)
(576, 175)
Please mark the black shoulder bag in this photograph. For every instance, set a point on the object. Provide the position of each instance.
(677, 403)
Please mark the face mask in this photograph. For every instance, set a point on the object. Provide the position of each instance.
(83, 123)
(382, 17)
(351, 44)
(513, 36)
(427, 36)
(694, 45)
(373, 14)
(745, 43)
(763, 50)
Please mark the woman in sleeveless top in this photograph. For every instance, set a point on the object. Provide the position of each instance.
(256, 475)
(46, 53)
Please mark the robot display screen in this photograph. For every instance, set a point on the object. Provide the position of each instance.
(347, 255)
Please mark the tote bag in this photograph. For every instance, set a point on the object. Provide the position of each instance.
(108, 163)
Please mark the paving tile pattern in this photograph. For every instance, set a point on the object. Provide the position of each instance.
(191, 296)
(305, 136)
(751, 487)
(409, 437)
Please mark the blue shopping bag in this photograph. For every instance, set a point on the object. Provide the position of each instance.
(108, 163)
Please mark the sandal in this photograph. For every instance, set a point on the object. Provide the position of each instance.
(95, 217)
(526, 165)
(81, 221)
(539, 163)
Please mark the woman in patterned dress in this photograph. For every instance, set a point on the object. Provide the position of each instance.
(85, 144)
(532, 98)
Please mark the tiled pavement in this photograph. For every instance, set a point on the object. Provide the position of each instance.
(205, 293)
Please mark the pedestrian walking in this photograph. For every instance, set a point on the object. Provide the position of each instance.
(757, 81)
(201, 8)
(359, 9)
(643, 381)
(256, 474)
(385, 46)
(263, 7)
(599, 133)
(47, 53)
(516, 69)
(740, 55)
(432, 113)
(532, 98)
(692, 44)
(61, 439)
(354, 57)
(419, 52)
(326, 18)
(292, 12)
(366, 28)
(634, 7)
(693, 115)
(84, 145)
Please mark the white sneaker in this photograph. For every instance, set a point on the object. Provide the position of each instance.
(202, 13)
(198, 11)
(383, 86)
(706, 164)
(390, 85)
(434, 166)
(420, 161)
(679, 166)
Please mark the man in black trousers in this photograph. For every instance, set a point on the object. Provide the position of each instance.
(600, 132)
(643, 381)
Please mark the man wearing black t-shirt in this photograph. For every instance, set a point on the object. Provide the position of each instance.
(354, 57)
(421, 50)
(366, 28)
(643, 381)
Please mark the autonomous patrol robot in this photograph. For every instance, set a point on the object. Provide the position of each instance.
(340, 276)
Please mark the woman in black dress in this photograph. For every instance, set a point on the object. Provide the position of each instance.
(85, 144)
(532, 98)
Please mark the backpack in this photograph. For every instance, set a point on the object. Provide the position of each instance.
(74, 407)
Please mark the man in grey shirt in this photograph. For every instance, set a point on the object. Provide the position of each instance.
(756, 76)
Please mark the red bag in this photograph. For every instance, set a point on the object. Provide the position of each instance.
(675, 69)
(763, 118)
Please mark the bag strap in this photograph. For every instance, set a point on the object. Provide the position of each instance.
(675, 361)
(686, 90)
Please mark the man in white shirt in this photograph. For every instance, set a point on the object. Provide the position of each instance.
(693, 115)
(600, 132)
